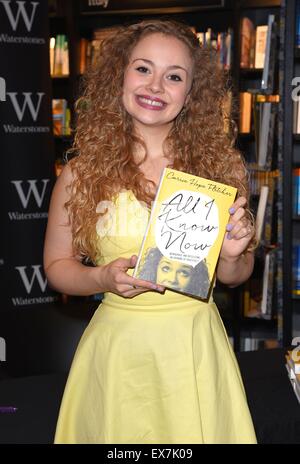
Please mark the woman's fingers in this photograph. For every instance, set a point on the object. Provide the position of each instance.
(239, 203)
(240, 229)
(239, 226)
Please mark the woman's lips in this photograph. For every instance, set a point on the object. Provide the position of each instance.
(150, 103)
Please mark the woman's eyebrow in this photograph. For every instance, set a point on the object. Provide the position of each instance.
(173, 66)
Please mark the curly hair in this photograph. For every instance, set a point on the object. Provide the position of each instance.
(104, 138)
(198, 284)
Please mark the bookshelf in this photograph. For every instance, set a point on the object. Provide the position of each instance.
(77, 20)
(290, 160)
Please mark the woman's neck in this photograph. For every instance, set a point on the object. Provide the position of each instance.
(154, 138)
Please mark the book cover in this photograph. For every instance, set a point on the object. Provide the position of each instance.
(185, 233)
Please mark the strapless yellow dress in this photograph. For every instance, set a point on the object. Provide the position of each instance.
(156, 368)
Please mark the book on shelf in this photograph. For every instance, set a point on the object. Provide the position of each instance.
(266, 221)
(247, 43)
(59, 56)
(245, 112)
(89, 49)
(61, 117)
(268, 283)
(260, 291)
(293, 368)
(297, 38)
(267, 83)
(257, 343)
(296, 269)
(296, 191)
(260, 46)
(261, 210)
(293, 359)
(266, 135)
(221, 42)
(185, 233)
(296, 116)
(265, 108)
(254, 44)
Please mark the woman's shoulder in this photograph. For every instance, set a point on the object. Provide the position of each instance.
(64, 181)
(67, 173)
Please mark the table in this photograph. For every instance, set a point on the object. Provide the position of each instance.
(273, 404)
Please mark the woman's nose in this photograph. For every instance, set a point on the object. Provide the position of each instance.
(172, 278)
(156, 84)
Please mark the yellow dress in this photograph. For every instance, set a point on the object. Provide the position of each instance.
(156, 368)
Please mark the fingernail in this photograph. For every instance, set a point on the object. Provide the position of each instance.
(229, 227)
(229, 236)
(232, 210)
(155, 287)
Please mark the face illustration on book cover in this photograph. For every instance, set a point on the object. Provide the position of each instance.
(175, 274)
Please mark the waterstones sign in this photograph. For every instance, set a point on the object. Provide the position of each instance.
(27, 151)
(24, 110)
(33, 282)
(20, 17)
(32, 196)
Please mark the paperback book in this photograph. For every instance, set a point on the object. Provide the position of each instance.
(186, 229)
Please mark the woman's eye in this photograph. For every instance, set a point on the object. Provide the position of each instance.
(185, 273)
(142, 69)
(165, 268)
(175, 77)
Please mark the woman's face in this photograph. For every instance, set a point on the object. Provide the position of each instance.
(173, 274)
(157, 80)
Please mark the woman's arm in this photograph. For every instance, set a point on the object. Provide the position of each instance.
(64, 270)
(236, 263)
(235, 271)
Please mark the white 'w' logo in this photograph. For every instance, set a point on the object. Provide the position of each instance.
(39, 197)
(36, 275)
(20, 110)
(14, 21)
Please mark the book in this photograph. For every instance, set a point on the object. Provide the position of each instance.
(260, 46)
(245, 112)
(185, 233)
(261, 209)
(293, 359)
(267, 82)
(268, 284)
(247, 41)
(59, 108)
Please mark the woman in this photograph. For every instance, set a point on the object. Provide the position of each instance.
(153, 366)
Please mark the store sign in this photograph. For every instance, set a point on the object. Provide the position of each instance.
(136, 6)
(27, 151)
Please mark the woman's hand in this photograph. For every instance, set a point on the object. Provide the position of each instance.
(240, 231)
(116, 280)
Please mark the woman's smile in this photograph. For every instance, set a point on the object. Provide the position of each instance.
(151, 103)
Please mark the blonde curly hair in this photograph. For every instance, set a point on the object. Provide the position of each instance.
(104, 138)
